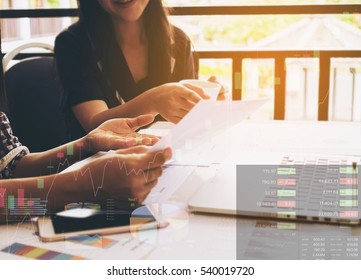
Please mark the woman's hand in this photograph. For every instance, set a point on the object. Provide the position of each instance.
(127, 176)
(174, 100)
(119, 133)
(222, 92)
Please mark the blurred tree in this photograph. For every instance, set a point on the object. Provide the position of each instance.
(53, 3)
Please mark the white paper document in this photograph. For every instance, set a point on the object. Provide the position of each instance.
(203, 123)
(172, 178)
(193, 137)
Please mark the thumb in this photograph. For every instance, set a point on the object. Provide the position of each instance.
(142, 120)
(213, 79)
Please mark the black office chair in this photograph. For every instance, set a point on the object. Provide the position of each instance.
(34, 101)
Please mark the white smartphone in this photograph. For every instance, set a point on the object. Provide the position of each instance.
(83, 221)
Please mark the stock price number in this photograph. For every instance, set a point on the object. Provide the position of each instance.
(268, 182)
(269, 171)
(328, 214)
(328, 203)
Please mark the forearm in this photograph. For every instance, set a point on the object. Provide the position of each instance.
(52, 161)
(38, 196)
(142, 104)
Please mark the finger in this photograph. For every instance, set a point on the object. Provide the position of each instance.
(185, 105)
(134, 150)
(223, 89)
(134, 139)
(181, 114)
(149, 139)
(175, 119)
(168, 153)
(135, 123)
(146, 141)
(153, 174)
(155, 140)
(212, 79)
(143, 139)
(201, 93)
(150, 185)
(189, 94)
(142, 188)
(152, 160)
(221, 96)
(147, 188)
(156, 158)
(130, 141)
(178, 114)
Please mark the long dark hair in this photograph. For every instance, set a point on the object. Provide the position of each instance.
(3, 99)
(158, 30)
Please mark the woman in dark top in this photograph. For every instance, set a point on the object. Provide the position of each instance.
(123, 59)
(109, 174)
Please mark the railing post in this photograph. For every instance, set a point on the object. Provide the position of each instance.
(305, 72)
(280, 88)
(324, 86)
(353, 73)
(334, 85)
(237, 78)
